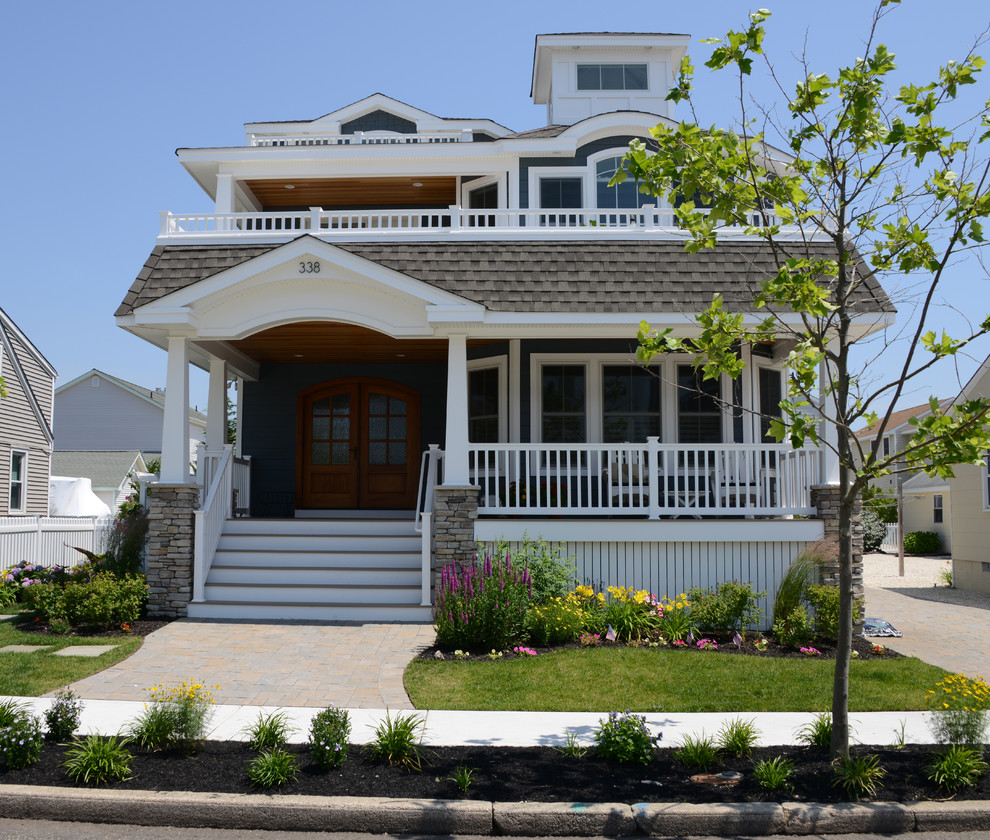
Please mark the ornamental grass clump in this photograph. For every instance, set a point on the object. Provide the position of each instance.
(959, 709)
(176, 717)
(956, 767)
(626, 738)
(397, 741)
(482, 605)
(95, 760)
(328, 734)
(269, 731)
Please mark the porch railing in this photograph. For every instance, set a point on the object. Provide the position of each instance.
(429, 476)
(891, 538)
(644, 479)
(216, 506)
(364, 138)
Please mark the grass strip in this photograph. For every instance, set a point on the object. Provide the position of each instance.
(606, 679)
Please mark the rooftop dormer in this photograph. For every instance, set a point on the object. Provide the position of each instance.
(580, 75)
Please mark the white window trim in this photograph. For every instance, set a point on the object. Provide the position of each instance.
(24, 479)
(591, 182)
(756, 414)
(600, 63)
(485, 181)
(501, 364)
(537, 173)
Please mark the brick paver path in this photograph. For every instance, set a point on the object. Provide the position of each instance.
(271, 663)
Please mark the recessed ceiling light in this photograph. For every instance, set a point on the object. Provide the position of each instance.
(290, 186)
(297, 355)
(400, 355)
(417, 183)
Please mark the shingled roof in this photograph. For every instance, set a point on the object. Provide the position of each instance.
(529, 276)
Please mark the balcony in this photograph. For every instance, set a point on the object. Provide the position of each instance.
(452, 222)
(362, 138)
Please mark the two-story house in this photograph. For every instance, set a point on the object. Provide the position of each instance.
(25, 423)
(432, 323)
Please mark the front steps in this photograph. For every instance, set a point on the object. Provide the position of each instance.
(353, 569)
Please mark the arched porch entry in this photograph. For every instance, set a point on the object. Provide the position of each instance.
(357, 445)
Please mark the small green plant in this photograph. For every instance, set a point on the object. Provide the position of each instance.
(62, 717)
(273, 768)
(462, 777)
(176, 717)
(956, 767)
(10, 711)
(945, 574)
(269, 731)
(774, 773)
(817, 733)
(922, 542)
(397, 741)
(802, 573)
(553, 575)
(900, 736)
(626, 738)
(21, 742)
(874, 530)
(737, 737)
(960, 707)
(572, 748)
(794, 628)
(328, 734)
(731, 606)
(699, 753)
(825, 601)
(554, 621)
(858, 775)
(95, 760)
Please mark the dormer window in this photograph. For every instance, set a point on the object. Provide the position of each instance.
(626, 194)
(612, 77)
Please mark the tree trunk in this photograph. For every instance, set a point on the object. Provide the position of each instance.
(843, 649)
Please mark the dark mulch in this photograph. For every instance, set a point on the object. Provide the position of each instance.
(29, 623)
(536, 774)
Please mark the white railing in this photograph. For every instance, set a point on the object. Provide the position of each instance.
(241, 500)
(216, 506)
(363, 138)
(649, 479)
(51, 540)
(891, 539)
(429, 476)
(452, 220)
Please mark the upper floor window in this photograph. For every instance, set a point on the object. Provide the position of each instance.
(18, 475)
(560, 192)
(630, 404)
(612, 77)
(699, 409)
(886, 447)
(771, 393)
(626, 194)
(937, 508)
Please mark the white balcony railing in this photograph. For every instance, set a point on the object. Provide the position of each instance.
(647, 479)
(363, 138)
(451, 221)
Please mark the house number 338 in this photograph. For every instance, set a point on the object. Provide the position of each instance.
(309, 267)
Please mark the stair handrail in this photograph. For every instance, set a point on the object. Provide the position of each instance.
(214, 510)
(430, 465)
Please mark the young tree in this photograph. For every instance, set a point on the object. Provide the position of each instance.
(872, 186)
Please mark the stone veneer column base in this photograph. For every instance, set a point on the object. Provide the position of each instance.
(825, 497)
(170, 548)
(454, 512)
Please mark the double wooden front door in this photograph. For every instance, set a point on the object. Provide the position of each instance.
(357, 445)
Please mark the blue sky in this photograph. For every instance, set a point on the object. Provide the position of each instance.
(97, 96)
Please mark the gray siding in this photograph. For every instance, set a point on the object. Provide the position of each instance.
(106, 417)
(379, 121)
(580, 159)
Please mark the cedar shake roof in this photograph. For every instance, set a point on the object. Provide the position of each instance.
(529, 276)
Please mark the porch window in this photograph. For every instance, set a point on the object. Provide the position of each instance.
(699, 410)
(611, 77)
(564, 400)
(630, 404)
(18, 475)
(483, 398)
(937, 508)
(771, 393)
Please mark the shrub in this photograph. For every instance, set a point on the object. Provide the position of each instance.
(825, 601)
(922, 542)
(21, 741)
(8, 593)
(630, 613)
(737, 737)
(101, 600)
(126, 539)
(480, 606)
(272, 769)
(802, 573)
(774, 773)
(328, 734)
(63, 715)
(397, 741)
(698, 753)
(625, 738)
(730, 606)
(553, 575)
(95, 760)
(956, 768)
(959, 709)
(794, 628)
(555, 621)
(858, 776)
(874, 530)
(817, 733)
(269, 731)
(175, 717)
(676, 621)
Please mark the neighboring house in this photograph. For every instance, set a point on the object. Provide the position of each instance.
(25, 423)
(927, 500)
(971, 506)
(99, 413)
(381, 280)
(110, 472)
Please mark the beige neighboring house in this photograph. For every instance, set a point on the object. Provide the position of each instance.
(110, 472)
(927, 504)
(971, 507)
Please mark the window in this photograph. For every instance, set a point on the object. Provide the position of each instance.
(556, 193)
(612, 77)
(564, 400)
(18, 476)
(699, 413)
(771, 393)
(937, 508)
(483, 399)
(630, 404)
(886, 447)
(622, 195)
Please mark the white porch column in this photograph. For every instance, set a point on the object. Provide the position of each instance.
(225, 194)
(828, 433)
(216, 407)
(175, 430)
(455, 467)
(239, 420)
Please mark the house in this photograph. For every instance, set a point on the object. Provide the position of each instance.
(110, 472)
(97, 412)
(25, 423)
(971, 506)
(432, 325)
(926, 499)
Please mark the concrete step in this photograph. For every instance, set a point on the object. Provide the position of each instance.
(276, 560)
(307, 576)
(278, 543)
(291, 593)
(320, 527)
(272, 611)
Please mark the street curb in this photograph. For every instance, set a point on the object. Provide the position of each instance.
(286, 812)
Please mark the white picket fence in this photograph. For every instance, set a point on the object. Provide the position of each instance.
(50, 540)
(891, 540)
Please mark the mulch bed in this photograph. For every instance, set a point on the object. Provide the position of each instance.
(503, 774)
(143, 627)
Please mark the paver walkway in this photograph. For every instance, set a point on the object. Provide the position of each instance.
(271, 663)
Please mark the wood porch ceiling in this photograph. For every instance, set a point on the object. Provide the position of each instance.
(320, 342)
(354, 192)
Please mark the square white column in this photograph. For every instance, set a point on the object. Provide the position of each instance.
(175, 429)
(455, 466)
(216, 407)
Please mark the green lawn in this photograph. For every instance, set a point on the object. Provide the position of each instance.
(37, 672)
(616, 678)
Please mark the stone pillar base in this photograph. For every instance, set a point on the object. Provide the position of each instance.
(825, 497)
(454, 512)
(170, 548)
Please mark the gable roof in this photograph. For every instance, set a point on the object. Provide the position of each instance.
(106, 469)
(899, 419)
(527, 276)
(9, 329)
(155, 397)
